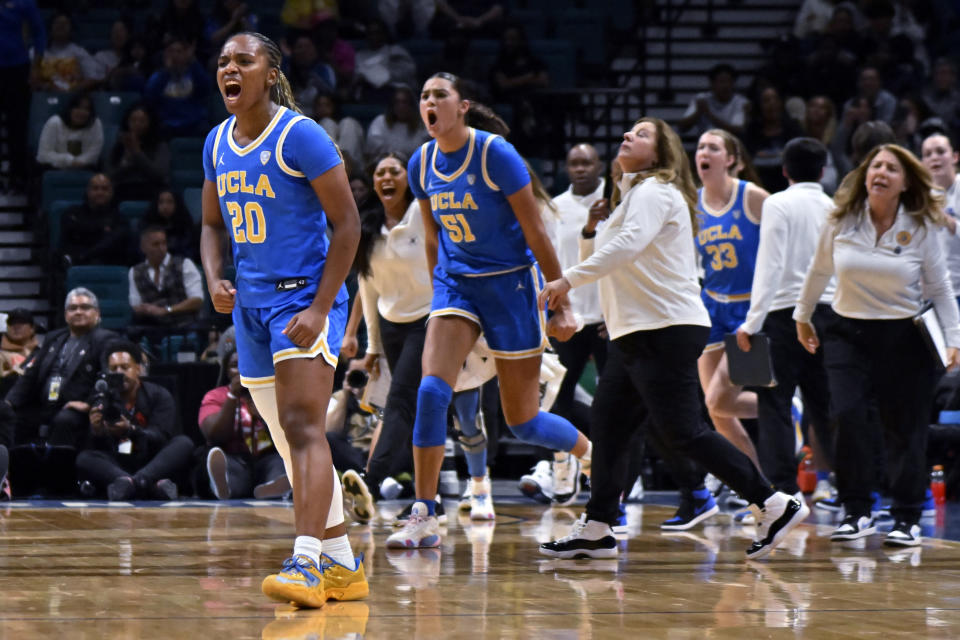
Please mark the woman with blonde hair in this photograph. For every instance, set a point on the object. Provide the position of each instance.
(644, 262)
(882, 244)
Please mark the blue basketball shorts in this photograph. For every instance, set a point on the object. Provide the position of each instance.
(261, 343)
(725, 316)
(504, 306)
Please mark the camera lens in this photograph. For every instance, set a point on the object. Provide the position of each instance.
(357, 378)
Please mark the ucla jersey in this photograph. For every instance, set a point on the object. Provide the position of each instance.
(467, 189)
(727, 241)
(271, 211)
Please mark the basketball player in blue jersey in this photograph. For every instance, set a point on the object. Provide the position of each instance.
(484, 239)
(727, 239)
(273, 178)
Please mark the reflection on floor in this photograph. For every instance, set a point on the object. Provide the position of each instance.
(192, 570)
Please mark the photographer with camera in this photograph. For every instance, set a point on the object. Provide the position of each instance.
(135, 446)
(240, 458)
(45, 412)
(351, 430)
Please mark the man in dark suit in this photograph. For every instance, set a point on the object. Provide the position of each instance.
(48, 406)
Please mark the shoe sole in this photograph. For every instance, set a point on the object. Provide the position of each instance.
(217, 473)
(893, 542)
(693, 522)
(430, 542)
(361, 502)
(275, 488)
(533, 491)
(828, 507)
(799, 516)
(580, 554)
(300, 596)
(484, 517)
(353, 591)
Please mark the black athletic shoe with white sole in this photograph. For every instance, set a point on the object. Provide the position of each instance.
(903, 535)
(587, 539)
(780, 513)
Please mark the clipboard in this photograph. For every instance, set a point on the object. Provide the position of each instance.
(928, 323)
(750, 368)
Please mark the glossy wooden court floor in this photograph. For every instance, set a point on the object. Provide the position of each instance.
(194, 572)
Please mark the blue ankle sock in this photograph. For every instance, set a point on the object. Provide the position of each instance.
(823, 475)
(431, 506)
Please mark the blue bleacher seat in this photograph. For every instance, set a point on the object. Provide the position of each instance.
(65, 184)
(110, 133)
(133, 211)
(186, 178)
(111, 285)
(193, 198)
(42, 106)
(112, 106)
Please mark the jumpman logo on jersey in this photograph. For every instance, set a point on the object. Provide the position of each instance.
(520, 286)
(221, 160)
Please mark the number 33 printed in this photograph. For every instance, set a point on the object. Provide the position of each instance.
(724, 256)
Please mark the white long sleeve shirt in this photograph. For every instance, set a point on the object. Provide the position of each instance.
(791, 225)
(885, 279)
(399, 286)
(950, 242)
(192, 282)
(62, 147)
(573, 212)
(644, 262)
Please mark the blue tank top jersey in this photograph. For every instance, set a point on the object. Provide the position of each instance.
(467, 190)
(271, 211)
(727, 241)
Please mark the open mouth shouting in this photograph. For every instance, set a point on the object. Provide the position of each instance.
(431, 117)
(232, 89)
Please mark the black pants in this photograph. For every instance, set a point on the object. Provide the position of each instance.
(883, 362)
(244, 472)
(657, 372)
(574, 355)
(103, 467)
(58, 427)
(403, 346)
(343, 454)
(15, 106)
(793, 367)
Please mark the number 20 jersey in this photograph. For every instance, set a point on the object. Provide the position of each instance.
(272, 214)
(727, 241)
(467, 190)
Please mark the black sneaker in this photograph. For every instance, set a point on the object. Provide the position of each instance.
(903, 535)
(854, 527)
(692, 511)
(587, 539)
(164, 489)
(401, 519)
(121, 489)
(276, 488)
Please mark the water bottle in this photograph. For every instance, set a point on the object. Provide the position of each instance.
(937, 485)
(806, 474)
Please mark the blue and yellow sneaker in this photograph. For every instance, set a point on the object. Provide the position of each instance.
(341, 582)
(300, 581)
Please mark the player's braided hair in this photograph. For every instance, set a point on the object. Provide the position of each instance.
(280, 93)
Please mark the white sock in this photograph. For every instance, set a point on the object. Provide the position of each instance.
(266, 401)
(340, 550)
(307, 546)
(560, 456)
(479, 487)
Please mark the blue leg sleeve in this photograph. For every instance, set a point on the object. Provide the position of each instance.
(472, 439)
(547, 430)
(433, 400)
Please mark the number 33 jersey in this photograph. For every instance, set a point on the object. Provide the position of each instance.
(272, 214)
(467, 190)
(727, 241)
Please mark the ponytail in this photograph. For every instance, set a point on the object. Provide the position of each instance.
(282, 93)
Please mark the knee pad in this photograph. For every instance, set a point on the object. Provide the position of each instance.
(547, 430)
(475, 443)
(433, 400)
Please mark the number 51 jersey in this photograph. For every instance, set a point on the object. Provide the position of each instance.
(274, 218)
(467, 190)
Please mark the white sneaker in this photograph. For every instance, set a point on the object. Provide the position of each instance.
(481, 501)
(904, 535)
(780, 513)
(390, 489)
(636, 493)
(421, 531)
(714, 484)
(566, 479)
(217, 473)
(539, 483)
(587, 539)
(823, 491)
(854, 528)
